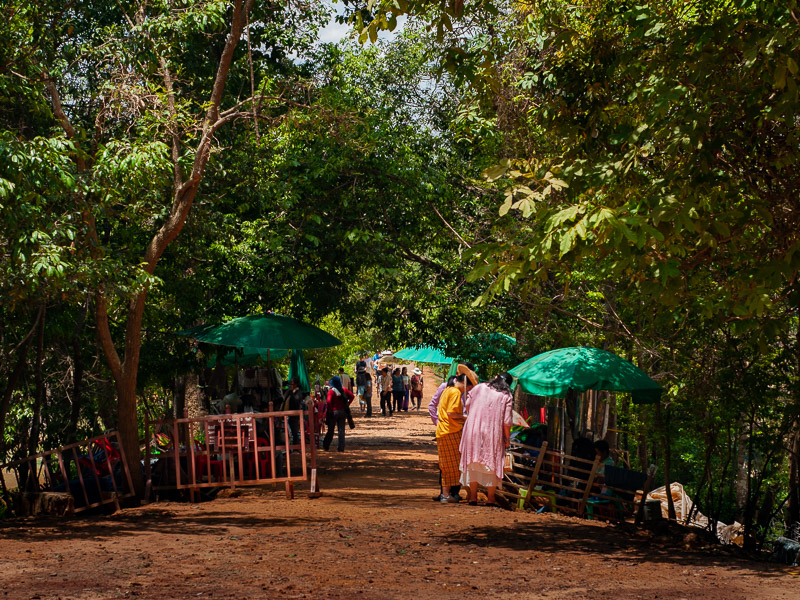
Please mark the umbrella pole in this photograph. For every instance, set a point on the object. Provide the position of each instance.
(236, 371)
(269, 366)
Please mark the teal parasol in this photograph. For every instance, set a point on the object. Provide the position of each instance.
(554, 373)
(272, 331)
(423, 354)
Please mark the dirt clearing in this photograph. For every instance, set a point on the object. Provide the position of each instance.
(375, 534)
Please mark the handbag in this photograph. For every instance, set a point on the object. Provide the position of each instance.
(508, 462)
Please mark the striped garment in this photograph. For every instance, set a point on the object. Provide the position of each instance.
(449, 458)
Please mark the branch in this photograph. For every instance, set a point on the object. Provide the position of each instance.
(24, 340)
(450, 227)
(260, 98)
(408, 252)
(184, 195)
(58, 111)
(104, 334)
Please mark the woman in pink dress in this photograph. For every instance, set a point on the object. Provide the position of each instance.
(486, 435)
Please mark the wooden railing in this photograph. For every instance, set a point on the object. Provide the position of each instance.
(569, 484)
(229, 450)
(93, 472)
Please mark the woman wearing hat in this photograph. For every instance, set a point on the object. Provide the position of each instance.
(416, 389)
(448, 430)
(339, 399)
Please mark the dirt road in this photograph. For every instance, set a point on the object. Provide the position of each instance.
(375, 534)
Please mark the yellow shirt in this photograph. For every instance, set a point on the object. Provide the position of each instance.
(450, 402)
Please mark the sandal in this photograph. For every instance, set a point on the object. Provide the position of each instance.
(473, 503)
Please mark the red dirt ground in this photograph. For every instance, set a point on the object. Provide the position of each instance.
(375, 534)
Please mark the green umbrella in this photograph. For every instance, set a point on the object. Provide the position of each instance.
(484, 348)
(245, 357)
(299, 369)
(423, 354)
(266, 331)
(553, 373)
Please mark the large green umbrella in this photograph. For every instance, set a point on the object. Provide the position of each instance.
(423, 354)
(299, 369)
(245, 357)
(266, 331)
(554, 373)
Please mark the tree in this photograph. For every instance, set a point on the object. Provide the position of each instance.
(138, 90)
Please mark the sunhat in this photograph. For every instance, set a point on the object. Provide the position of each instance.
(465, 370)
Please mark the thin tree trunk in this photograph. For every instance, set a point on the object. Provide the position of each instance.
(14, 377)
(38, 400)
(77, 374)
(793, 504)
(8, 394)
(125, 369)
(665, 442)
(641, 451)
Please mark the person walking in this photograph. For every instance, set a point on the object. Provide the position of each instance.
(339, 399)
(366, 395)
(406, 388)
(397, 390)
(361, 376)
(416, 389)
(386, 392)
(293, 400)
(486, 435)
(347, 383)
(448, 431)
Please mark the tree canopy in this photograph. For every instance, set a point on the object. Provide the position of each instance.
(621, 175)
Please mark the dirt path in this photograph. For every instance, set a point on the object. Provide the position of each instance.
(375, 534)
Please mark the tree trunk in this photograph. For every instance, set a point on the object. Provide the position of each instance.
(77, 375)
(179, 405)
(793, 504)
(642, 453)
(8, 393)
(612, 437)
(38, 399)
(30, 481)
(665, 442)
(14, 377)
(125, 369)
(128, 427)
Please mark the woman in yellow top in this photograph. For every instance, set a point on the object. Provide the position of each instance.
(448, 430)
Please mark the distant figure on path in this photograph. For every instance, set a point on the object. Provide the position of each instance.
(416, 389)
(346, 381)
(366, 395)
(293, 400)
(386, 392)
(397, 390)
(339, 399)
(486, 435)
(406, 387)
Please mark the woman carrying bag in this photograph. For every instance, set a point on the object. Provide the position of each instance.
(339, 400)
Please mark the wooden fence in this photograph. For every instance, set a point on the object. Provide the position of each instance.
(228, 450)
(564, 483)
(93, 472)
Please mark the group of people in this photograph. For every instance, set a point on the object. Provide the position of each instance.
(473, 429)
(397, 391)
